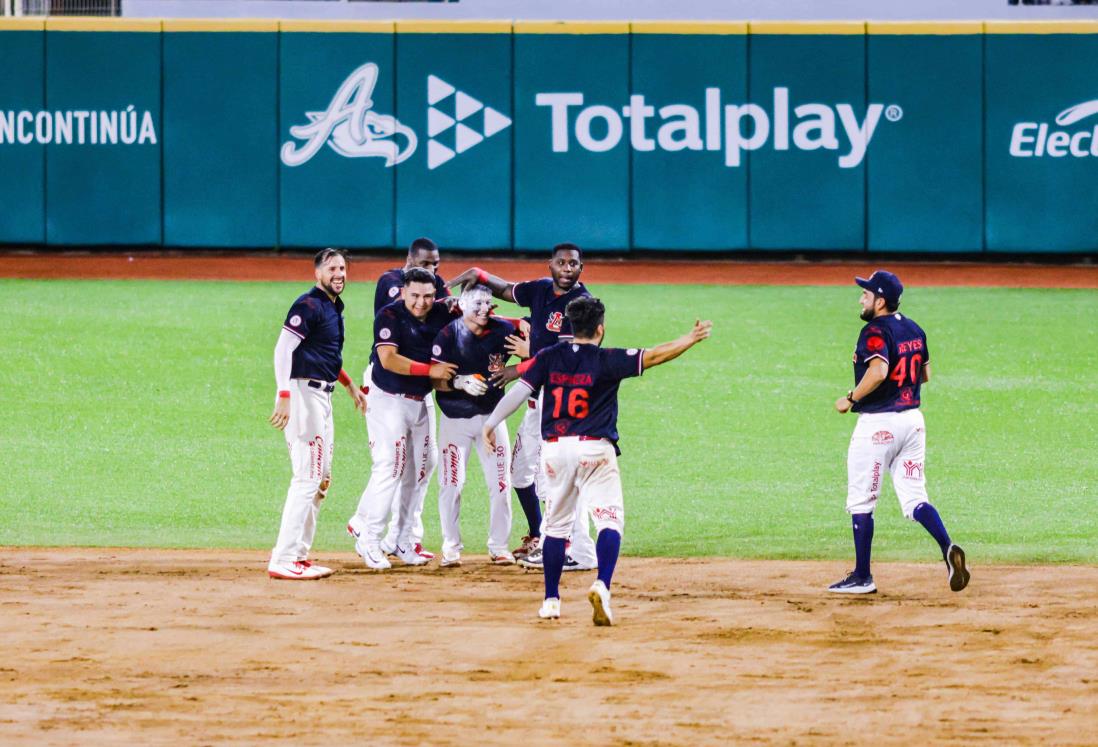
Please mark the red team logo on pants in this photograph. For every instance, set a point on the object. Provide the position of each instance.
(913, 470)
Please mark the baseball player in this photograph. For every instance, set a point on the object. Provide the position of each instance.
(547, 299)
(477, 344)
(891, 363)
(402, 373)
(423, 253)
(308, 360)
(579, 411)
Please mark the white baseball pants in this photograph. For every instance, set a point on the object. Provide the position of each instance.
(892, 442)
(456, 437)
(580, 473)
(526, 469)
(309, 436)
(424, 458)
(391, 421)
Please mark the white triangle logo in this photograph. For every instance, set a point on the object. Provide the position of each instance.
(437, 154)
(467, 105)
(467, 138)
(437, 89)
(437, 121)
(494, 122)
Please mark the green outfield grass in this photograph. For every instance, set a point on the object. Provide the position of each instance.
(136, 415)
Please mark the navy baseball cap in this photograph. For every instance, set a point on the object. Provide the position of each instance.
(884, 284)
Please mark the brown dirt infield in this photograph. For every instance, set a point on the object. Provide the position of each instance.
(596, 270)
(199, 647)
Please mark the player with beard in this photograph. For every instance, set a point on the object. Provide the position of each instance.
(308, 360)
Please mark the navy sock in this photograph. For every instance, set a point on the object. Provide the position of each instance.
(926, 515)
(531, 506)
(552, 561)
(607, 547)
(863, 542)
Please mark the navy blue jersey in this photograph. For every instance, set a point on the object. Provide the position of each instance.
(579, 386)
(901, 344)
(390, 283)
(318, 321)
(548, 324)
(394, 325)
(472, 354)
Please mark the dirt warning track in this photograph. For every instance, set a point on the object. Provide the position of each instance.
(596, 270)
(200, 647)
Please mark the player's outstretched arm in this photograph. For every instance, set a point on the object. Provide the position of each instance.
(669, 351)
(394, 362)
(511, 401)
(500, 288)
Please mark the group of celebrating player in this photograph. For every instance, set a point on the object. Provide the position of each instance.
(430, 345)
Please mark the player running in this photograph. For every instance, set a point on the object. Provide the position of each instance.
(308, 360)
(891, 363)
(422, 253)
(403, 333)
(579, 382)
(547, 299)
(477, 344)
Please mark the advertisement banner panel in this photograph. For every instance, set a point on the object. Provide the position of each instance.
(103, 129)
(22, 157)
(803, 135)
(221, 134)
(454, 90)
(684, 196)
(571, 145)
(338, 144)
(1042, 142)
(925, 168)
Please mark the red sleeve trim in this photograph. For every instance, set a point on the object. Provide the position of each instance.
(294, 331)
(876, 355)
(383, 344)
(640, 362)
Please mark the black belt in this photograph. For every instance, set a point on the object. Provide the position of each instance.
(326, 388)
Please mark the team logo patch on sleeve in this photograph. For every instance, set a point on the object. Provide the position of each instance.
(632, 351)
(385, 333)
(394, 292)
(436, 350)
(295, 321)
(875, 344)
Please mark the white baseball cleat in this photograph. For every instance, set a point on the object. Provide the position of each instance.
(599, 597)
(409, 556)
(503, 558)
(550, 609)
(372, 555)
(300, 570)
(450, 561)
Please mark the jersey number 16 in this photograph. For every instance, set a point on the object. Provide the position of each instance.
(578, 406)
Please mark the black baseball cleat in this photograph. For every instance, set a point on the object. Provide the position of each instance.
(958, 573)
(854, 584)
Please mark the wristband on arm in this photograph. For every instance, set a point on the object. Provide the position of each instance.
(344, 379)
(482, 276)
(420, 369)
(283, 393)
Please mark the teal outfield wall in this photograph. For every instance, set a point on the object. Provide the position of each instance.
(723, 137)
